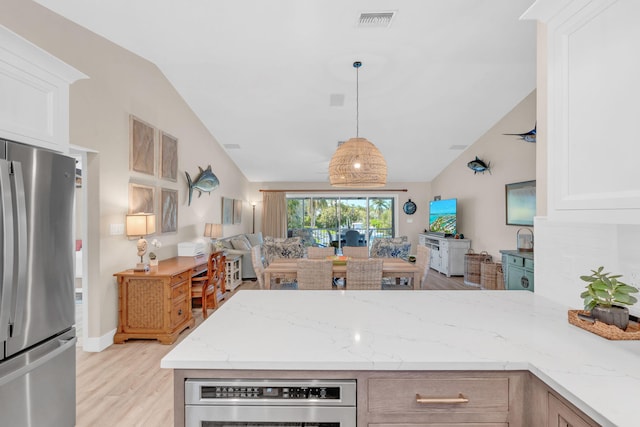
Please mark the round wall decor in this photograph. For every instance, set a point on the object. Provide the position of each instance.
(409, 207)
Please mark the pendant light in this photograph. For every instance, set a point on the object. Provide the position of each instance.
(357, 162)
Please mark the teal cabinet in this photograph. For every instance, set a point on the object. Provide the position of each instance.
(518, 270)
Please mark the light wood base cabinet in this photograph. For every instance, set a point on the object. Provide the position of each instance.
(483, 399)
(545, 407)
(428, 398)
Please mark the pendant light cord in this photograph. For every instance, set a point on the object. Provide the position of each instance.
(357, 66)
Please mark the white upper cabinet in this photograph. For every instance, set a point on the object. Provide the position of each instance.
(593, 109)
(34, 94)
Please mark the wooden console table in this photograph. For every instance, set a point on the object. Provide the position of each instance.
(156, 304)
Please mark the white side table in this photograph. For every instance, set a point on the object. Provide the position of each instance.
(234, 271)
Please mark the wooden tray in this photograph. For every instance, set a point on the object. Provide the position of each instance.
(609, 332)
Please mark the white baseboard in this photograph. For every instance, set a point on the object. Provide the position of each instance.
(96, 345)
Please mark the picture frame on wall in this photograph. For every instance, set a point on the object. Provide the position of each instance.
(141, 198)
(143, 141)
(520, 203)
(168, 157)
(168, 210)
(227, 210)
(237, 211)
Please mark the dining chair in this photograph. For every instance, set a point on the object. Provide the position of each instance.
(364, 273)
(423, 261)
(205, 287)
(317, 252)
(315, 273)
(355, 251)
(352, 238)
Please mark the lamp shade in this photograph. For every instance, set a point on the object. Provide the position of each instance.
(141, 224)
(213, 231)
(357, 163)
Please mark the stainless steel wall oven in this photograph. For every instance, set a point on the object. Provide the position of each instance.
(270, 403)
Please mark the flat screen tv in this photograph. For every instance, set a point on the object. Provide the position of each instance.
(443, 216)
(520, 201)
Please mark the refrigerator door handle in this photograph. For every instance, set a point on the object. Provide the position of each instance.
(17, 315)
(63, 345)
(6, 283)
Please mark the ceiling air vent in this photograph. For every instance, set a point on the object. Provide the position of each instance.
(375, 19)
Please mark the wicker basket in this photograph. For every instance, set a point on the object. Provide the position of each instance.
(609, 332)
(499, 277)
(488, 275)
(472, 263)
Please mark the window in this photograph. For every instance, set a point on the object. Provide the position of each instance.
(328, 218)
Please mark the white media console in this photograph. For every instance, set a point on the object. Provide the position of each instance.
(447, 253)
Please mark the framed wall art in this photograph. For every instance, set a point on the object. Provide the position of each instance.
(227, 210)
(168, 157)
(520, 202)
(237, 211)
(141, 198)
(142, 156)
(168, 210)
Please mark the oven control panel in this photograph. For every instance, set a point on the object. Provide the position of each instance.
(269, 392)
(329, 392)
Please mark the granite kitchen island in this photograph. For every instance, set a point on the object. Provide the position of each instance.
(400, 339)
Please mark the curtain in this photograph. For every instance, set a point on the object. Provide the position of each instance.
(274, 214)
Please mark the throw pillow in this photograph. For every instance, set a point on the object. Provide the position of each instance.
(255, 239)
(282, 248)
(241, 244)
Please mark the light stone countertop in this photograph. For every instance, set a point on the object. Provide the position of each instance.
(420, 330)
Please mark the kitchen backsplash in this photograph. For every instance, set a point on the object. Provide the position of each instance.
(564, 251)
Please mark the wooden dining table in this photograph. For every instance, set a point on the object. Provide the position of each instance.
(391, 267)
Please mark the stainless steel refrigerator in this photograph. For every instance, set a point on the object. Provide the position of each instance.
(37, 363)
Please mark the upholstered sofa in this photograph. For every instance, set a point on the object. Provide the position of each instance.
(241, 244)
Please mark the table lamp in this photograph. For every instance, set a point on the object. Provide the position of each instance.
(141, 224)
(213, 232)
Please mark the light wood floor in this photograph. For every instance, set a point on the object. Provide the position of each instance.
(124, 385)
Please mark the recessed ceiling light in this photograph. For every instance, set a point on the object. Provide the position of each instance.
(375, 19)
(232, 146)
(458, 147)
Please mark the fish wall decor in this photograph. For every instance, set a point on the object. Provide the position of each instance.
(477, 165)
(528, 137)
(205, 182)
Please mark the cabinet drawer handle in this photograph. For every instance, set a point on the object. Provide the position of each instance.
(432, 400)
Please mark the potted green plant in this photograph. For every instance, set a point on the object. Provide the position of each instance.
(605, 297)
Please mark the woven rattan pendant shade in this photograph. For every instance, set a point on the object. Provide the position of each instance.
(372, 170)
(357, 162)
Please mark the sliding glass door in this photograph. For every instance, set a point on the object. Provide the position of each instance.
(342, 220)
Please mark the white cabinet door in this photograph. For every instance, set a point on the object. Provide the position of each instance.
(34, 94)
(592, 106)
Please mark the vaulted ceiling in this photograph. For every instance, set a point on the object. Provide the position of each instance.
(274, 83)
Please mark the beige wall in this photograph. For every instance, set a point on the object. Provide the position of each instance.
(481, 202)
(121, 84)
